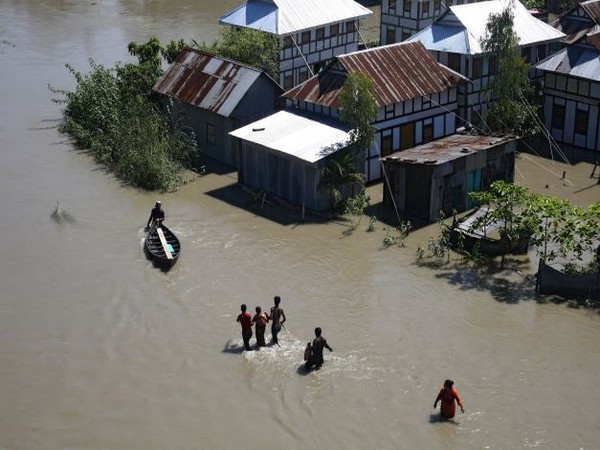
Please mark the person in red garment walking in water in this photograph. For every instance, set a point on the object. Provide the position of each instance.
(245, 319)
(449, 397)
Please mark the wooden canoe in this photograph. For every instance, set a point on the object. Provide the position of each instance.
(162, 246)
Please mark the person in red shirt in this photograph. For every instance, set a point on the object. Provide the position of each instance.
(245, 319)
(449, 397)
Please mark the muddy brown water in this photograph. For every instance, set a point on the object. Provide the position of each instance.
(99, 350)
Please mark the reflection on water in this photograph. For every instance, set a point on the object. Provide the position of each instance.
(98, 349)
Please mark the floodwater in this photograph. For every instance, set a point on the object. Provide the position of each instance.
(100, 350)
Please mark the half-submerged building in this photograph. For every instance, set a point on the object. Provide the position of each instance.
(416, 96)
(312, 32)
(455, 40)
(213, 95)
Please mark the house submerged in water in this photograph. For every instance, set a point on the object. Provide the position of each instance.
(438, 176)
(212, 96)
(311, 32)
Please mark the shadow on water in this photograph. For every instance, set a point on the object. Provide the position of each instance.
(437, 418)
(233, 348)
(261, 205)
(506, 285)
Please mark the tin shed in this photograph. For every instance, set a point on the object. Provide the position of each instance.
(283, 155)
(439, 175)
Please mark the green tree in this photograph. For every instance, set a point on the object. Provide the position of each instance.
(507, 203)
(510, 93)
(358, 108)
(111, 115)
(252, 47)
(339, 175)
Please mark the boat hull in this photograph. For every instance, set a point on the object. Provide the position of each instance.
(156, 248)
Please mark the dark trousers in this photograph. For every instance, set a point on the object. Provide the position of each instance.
(275, 329)
(246, 335)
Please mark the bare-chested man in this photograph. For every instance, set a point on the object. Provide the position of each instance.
(277, 318)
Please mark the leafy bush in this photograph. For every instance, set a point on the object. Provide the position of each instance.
(111, 115)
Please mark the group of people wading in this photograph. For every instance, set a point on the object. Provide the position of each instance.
(260, 320)
(313, 354)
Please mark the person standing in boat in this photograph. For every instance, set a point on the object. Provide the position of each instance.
(449, 397)
(245, 320)
(277, 316)
(156, 215)
(260, 319)
(315, 360)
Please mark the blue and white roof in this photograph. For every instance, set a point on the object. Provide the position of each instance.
(581, 59)
(462, 28)
(284, 17)
(306, 137)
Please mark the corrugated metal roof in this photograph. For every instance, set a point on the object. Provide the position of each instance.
(580, 60)
(579, 20)
(283, 17)
(206, 81)
(444, 34)
(592, 7)
(447, 149)
(399, 72)
(306, 137)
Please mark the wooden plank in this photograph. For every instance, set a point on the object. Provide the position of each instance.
(163, 241)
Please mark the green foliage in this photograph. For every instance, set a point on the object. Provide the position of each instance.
(372, 222)
(340, 174)
(397, 236)
(110, 115)
(355, 206)
(172, 49)
(359, 109)
(534, 4)
(510, 93)
(252, 47)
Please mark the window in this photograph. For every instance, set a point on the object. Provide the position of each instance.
(526, 54)
(303, 76)
(407, 7)
(350, 26)
(288, 81)
(386, 145)
(436, 5)
(454, 61)
(334, 29)
(389, 111)
(305, 37)
(210, 133)
(477, 67)
(541, 52)
(320, 34)
(425, 9)
(581, 121)
(287, 42)
(558, 116)
(392, 4)
(405, 34)
(584, 88)
(427, 133)
(390, 35)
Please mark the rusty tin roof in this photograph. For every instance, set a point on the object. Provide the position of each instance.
(399, 72)
(207, 81)
(447, 149)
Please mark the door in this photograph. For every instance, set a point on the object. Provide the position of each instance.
(407, 136)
